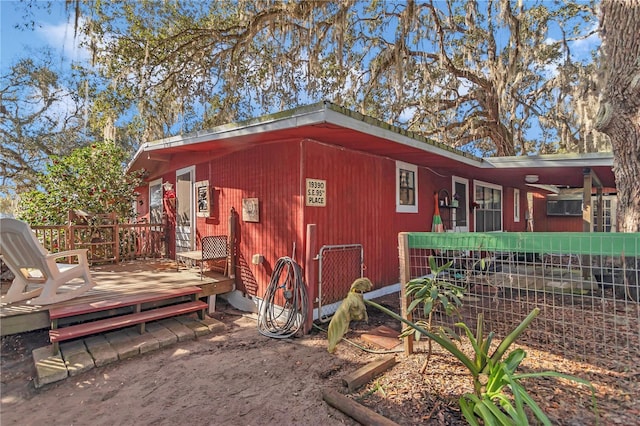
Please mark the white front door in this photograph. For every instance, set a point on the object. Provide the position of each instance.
(185, 220)
(460, 215)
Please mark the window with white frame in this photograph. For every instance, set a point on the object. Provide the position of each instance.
(406, 188)
(488, 213)
(516, 205)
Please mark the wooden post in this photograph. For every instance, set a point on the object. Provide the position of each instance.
(232, 245)
(116, 249)
(586, 201)
(405, 276)
(310, 274)
(351, 408)
(587, 218)
(600, 203)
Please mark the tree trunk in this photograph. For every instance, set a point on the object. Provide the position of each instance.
(619, 114)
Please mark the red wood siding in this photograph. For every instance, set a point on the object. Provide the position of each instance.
(270, 173)
(544, 223)
(508, 214)
(360, 206)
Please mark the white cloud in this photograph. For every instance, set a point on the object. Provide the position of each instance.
(583, 47)
(61, 37)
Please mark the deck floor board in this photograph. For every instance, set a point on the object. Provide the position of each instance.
(113, 281)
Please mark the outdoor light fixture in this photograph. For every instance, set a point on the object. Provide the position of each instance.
(169, 193)
(531, 178)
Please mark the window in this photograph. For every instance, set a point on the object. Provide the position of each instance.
(488, 198)
(566, 205)
(516, 205)
(406, 188)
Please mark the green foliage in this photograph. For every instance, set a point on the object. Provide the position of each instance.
(41, 115)
(472, 74)
(490, 402)
(432, 293)
(491, 375)
(90, 179)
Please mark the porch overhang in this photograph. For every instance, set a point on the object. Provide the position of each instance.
(560, 170)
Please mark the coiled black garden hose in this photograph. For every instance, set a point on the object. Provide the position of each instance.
(285, 321)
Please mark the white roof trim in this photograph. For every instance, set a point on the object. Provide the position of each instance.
(553, 160)
(303, 116)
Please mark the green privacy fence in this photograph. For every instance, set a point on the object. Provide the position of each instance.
(616, 244)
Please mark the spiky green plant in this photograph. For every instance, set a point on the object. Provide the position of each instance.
(491, 375)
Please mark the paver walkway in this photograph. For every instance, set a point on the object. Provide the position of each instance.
(80, 355)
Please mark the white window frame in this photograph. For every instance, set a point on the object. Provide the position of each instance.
(191, 171)
(476, 184)
(406, 208)
(516, 205)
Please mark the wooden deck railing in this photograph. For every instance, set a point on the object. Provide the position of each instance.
(106, 243)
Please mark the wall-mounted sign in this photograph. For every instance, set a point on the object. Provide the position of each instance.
(316, 194)
(250, 210)
(203, 204)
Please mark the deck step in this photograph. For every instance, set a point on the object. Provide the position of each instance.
(131, 300)
(93, 327)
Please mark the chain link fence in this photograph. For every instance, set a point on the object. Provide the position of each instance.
(339, 266)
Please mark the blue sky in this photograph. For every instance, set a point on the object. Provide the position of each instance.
(51, 27)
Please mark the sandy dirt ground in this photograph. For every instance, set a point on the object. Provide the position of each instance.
(239, 377)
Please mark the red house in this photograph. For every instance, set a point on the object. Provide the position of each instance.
(323, 176)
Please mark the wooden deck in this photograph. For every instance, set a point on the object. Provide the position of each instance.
(113, 281)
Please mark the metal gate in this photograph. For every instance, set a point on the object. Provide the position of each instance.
(339, 266)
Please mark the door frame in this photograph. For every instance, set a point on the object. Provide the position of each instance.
(454, 213)
(191, 171)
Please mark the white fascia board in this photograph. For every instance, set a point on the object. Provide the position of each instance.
(304, 116)
(552, 160)
(227, 132)
(345, 121)
(314, 114)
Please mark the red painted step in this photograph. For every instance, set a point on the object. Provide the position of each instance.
(131, 300)
(88, 328)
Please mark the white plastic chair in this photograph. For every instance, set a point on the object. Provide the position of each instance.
(37, 275)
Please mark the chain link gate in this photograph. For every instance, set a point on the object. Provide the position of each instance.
(339, 266)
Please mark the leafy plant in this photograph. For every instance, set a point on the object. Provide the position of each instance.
(91, 179)
(491, 374)
(432, 293)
